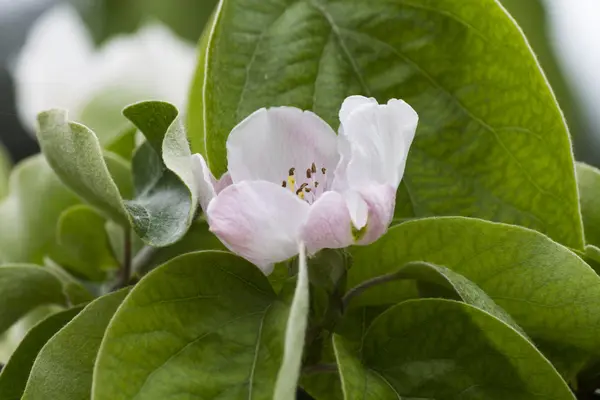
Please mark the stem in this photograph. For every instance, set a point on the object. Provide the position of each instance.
(317, 368)
(355, 291)
(125, 272)
(142, 259)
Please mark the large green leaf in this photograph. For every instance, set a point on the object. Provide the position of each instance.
(63, 368)
(491, 143)
(30, 212)
(205, 324)
(441, 349)
(14, 375)
(25, 287)
(165, 201)
(548, 290)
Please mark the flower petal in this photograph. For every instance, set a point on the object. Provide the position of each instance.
(328, 224)
(271, 141)
(380, 137)
(381, 200)
(258, 220)
(351, 104)
(205, 181)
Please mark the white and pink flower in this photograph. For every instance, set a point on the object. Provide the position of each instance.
(292, 180)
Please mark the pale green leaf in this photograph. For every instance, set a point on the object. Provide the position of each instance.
(84, 246)
(13, 377)
(25, 287)
(63, 368)
(30, 212)
(289, 372)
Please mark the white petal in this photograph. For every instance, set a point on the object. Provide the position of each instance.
(53, 65)
(380, 137)
(381, 201)
(351, 104)
(328, 224)
(205, 181)
(258, 220)
(271, 141)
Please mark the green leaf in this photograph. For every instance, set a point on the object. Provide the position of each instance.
(5, 167)
(204, 324)
(124, 144)
(437, 277)
(25, 287)
(289, 372)
(84, 246)
(162, 212)
(30, 212)
(163, 177)
(441, 349)
(491, 143)
(549, 291)
(74, 153)
(64, 366)
(588, 180)
(14, 375)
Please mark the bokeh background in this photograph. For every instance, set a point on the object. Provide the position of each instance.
(563, 34)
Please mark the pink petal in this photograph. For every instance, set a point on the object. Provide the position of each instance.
(328, 224)
(205, 181)
(258, 220)
(381, 201)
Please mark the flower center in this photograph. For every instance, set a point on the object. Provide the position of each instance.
(309, 188)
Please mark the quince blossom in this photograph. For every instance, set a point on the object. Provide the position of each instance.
(292, 180)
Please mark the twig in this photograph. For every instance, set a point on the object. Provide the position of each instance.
(355, 291)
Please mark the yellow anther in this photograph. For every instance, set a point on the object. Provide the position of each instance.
(313, 168)
(323, 170)
(308, 174)
(291, 183)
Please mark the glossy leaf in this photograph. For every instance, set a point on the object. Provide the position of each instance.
(14, 375)
(441, 349)
(548, 290)
(64, 366)
(491, 143)
(30, 212)
(84, 244)
(25, 287)
(204, 324)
